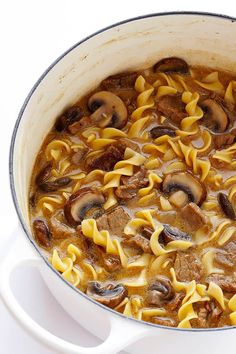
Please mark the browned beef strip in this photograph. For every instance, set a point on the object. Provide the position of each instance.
(114, 221)
(146, 231)
(175, 302)
(193, 217)
(123, 143)
(83, 123)
(187, 266)
(172, 107)
(58, 226)
(119, 81)
(209, 314)
(226, 256)
(111, 262)
(221, 141)
(78, 156)
(137, 242)
(164, 321)
(130, 185)
(106, 160)
(226, 283)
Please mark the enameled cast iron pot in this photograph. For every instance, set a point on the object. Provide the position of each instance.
(200, 38)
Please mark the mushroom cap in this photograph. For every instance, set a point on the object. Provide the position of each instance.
(226, 206)
(171, 64)
(55, 185)
(42, 233)
(160, 291)
(80, 203)
(71, 115)
(170, 233)
(44, 173)
(215, 117)
(109, 295)
(108, 110)
(184, 181)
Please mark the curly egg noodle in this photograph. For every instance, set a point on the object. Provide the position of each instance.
(109, 203)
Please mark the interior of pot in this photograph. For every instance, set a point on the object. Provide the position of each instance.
(199, 39)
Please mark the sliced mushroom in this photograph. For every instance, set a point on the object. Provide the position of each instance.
(44, 174)
(109, 295)
(184, 181)
(170, 233)
(71, 115)
(109, 110)
(42, 234)
(215, 118)
(160, 291)
(171, 64)
(162, 130)
(55, 185)
(81, 203)
(226, 206)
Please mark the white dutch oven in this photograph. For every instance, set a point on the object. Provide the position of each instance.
(200, 38)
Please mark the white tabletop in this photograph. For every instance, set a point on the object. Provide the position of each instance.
(33, 34)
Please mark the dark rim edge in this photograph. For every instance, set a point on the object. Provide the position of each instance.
(11, 154)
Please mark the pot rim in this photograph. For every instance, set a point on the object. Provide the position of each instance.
(11, 156)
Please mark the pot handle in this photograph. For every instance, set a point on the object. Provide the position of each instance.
(120, 336)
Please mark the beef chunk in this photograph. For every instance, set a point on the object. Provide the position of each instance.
(130, 185)
(164, 321)
(224, 140)
(146, 232)
(119, 81)
(129, 100)
(114, 221)
(227, 255)
(83, 123)
(226, 283)
(175, 302)
(209, 314)
(79, 155)
(111, 262)
(138, 242)
(97, 254)
(58, 226)
(106, 160)
(193, 217)
(187, 266)
(122, 144)
(172, 107)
